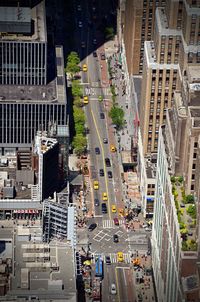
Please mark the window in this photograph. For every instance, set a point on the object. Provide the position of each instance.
(192, 187)
(194, 155)
(193, 176)
(194, 166)
(195, 145)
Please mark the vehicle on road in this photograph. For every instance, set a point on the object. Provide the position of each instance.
(97, 150)
(108, 261)
(114, 209)
(85, 100)
(100, 98)
(96, 185)
(109, 174)
(92, 227)
(80, 24)
(101, 172)
(115, 238)
(102, 115)
(107, 162)
(96, 202)
(113, 289)
(83, 44)
(94, 54)
(94, 41)
(121, 212)
(112, 148)
(104, 196)
(84, 67)
(79, 7)
(99, 267)
(105, 140)
(116, 221)
(104, 208)
(120, 257)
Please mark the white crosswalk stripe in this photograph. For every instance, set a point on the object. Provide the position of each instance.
(113, 257)
(109, 224)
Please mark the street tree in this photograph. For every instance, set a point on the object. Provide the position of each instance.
(79, 128)
(117, 116)
(79, 144)
(109, 33)
(78, 102)
(79, 116)
(73, 61)
(76, 89)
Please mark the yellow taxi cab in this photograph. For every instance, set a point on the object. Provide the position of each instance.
(114, 209)
(104, 196)
(85, 100)
(84, 67)
(96, 185)
(112, 148)
(120, 257)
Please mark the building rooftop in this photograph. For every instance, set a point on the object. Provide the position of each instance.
(162, 24)
(43, 270)
(22, 14)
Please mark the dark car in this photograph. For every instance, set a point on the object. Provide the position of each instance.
(115, 238)
(107, 161)
(101, 172)
(103, 57)
(108, 261)
(92, 227)
(94, 54)
(97, 150)
(102, 115)
(109, 174)
(96, 202)
(116, 221)
(104, 208)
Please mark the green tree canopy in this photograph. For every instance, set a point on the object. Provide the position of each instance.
(72, 63)
(76, 89)
(117, 116)
(80, 129)
(78, 102)
(79, 116)
(79, 144)
(109, 33)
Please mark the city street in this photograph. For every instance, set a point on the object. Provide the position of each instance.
(101, 136)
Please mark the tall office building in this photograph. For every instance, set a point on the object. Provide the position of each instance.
(175, 45)
(23, 45)
(139, 22)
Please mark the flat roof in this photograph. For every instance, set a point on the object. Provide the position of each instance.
(15, 14)
(38, 15)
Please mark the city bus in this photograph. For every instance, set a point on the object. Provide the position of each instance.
(99, 267)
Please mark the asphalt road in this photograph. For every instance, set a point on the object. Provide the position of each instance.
(101, 238)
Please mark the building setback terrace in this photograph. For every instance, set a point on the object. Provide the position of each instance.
(186, 213)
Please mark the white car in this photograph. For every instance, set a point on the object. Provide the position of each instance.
(113, 289)
(80, 24)
(79, 8)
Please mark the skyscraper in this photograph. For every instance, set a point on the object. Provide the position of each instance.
(175, 45)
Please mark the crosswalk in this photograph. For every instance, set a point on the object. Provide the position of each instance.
(96, 91)
(113, 257)
(109, 224)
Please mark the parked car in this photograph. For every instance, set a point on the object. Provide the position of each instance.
(102, 115)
